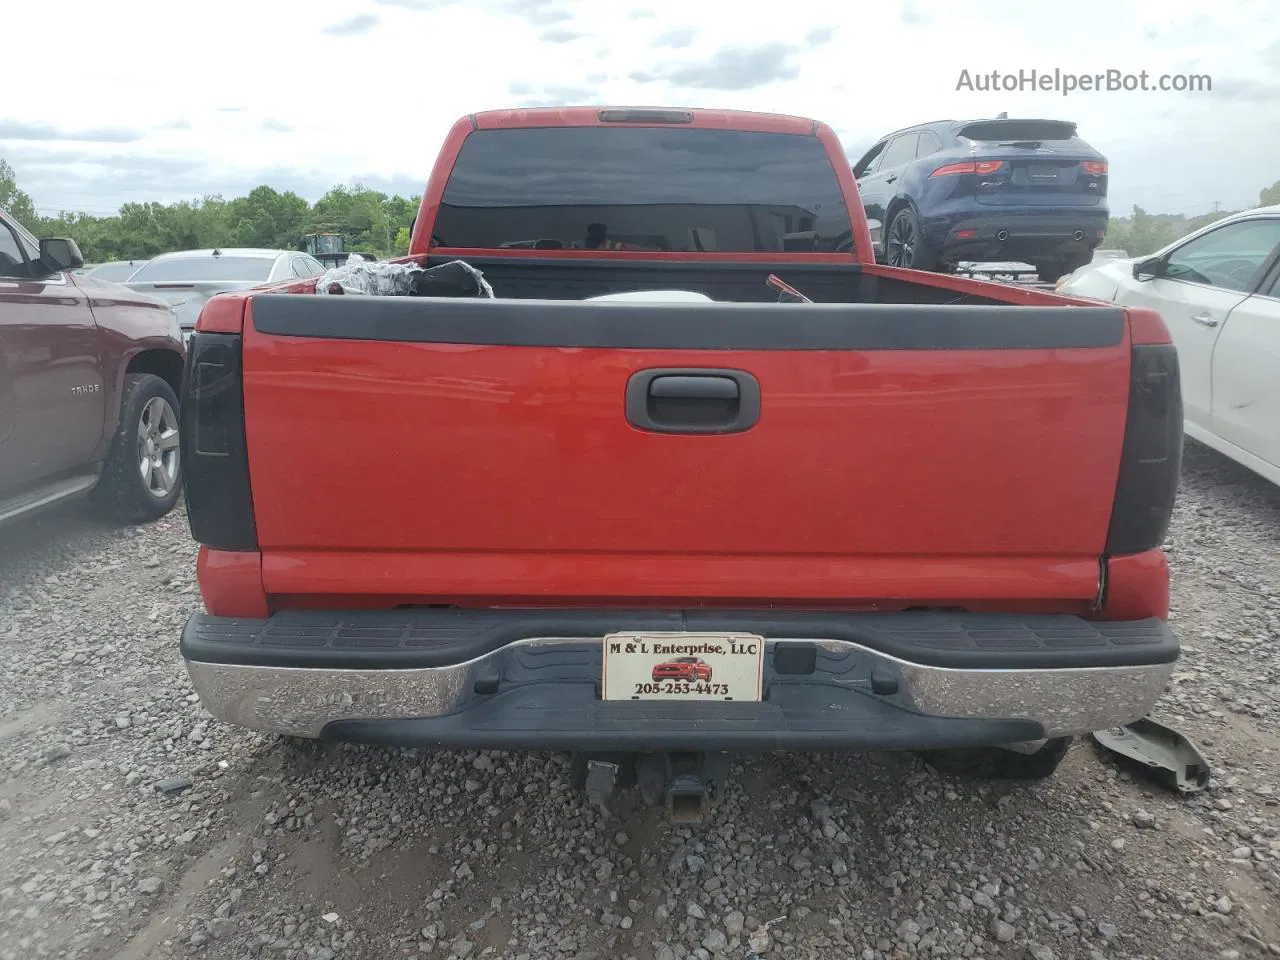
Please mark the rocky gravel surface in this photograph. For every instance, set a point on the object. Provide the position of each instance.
(132, 825)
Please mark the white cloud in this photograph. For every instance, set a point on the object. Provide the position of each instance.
(337, 90)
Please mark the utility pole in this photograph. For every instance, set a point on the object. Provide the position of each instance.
(1216, 205)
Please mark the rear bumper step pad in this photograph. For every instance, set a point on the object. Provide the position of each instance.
(408, 639)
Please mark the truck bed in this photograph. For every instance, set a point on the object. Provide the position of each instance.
(561, 278)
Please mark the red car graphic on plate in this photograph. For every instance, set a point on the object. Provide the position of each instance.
(682, 668)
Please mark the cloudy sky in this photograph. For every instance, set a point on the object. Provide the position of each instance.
(160, 100)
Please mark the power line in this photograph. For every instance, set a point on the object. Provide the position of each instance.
(59, 211)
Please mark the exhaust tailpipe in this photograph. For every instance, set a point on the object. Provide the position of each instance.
(1078, 235)
(1002, 236)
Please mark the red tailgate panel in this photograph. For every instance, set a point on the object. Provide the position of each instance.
(428, 469)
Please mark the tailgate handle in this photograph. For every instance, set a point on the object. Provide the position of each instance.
(694, 388)
(693, 400)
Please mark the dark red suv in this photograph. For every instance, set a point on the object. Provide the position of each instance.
(89, 379)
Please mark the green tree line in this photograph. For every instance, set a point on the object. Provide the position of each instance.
(1143, 233)
(371, 221)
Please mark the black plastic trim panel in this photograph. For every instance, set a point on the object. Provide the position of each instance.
(569, 716)
(405, 639)
(712, 326)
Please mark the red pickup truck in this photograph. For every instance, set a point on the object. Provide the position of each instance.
(918, 512)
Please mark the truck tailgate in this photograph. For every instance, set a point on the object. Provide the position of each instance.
(443, 449)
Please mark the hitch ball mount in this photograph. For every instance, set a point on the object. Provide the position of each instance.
(683, 783)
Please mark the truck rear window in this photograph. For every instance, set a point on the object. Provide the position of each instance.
(643, 188)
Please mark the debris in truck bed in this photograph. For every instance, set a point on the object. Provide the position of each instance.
(786, 292)
(384, 279)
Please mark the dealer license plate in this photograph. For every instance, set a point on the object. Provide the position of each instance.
(683, 666)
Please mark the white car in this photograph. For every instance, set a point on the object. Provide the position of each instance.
(187, 278)
(1218, 290)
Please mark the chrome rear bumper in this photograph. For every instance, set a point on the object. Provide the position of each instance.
(537, 692)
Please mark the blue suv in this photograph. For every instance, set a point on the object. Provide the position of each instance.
(1028, 191)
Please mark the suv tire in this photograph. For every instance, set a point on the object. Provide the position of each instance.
(903, 244)
(142, 476)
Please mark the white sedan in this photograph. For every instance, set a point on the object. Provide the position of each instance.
(1218, 290)
(188, 278)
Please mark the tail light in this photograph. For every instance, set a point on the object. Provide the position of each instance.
(980, 167)
(215, 461)
(1097, 168)
(1152, 456)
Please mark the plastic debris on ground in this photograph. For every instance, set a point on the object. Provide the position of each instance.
(1161, 752)
(362, 277)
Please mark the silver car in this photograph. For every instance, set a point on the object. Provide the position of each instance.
(117, 271)
(188, 278)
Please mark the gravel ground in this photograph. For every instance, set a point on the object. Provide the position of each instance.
(134, 826)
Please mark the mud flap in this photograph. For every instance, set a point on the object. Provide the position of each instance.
(1166, 755)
